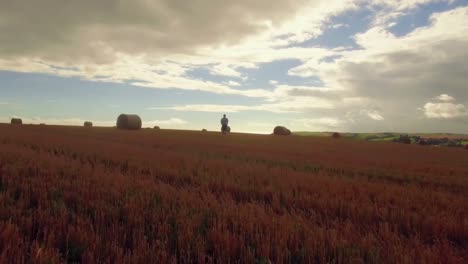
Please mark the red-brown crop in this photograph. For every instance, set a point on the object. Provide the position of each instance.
(100, 195)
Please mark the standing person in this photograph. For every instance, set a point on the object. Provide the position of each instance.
(224, 124)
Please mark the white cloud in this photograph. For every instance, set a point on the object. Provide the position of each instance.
(225, 70)
(206, 108)
(283, 99)
(282, 91)
(154, 44)
(445, 98)
(375, 115)
(393, 74)
(298, 105)
(88, 33)
(339, 25)
(233, 83)
(444, 110)
(97, 31)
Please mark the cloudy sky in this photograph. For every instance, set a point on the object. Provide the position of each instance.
(315, 65)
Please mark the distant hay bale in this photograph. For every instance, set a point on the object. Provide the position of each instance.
(281, 131)
(156, 128)
(16, 121)
(204, 130)
(129, 122)
(88, 124)
(336, 135)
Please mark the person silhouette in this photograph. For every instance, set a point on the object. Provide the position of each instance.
(224, 124)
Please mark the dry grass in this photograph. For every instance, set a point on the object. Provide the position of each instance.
(105, 196)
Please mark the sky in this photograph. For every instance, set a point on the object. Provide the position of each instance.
(309, 65)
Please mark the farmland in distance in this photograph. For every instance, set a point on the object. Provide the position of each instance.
(100, 195)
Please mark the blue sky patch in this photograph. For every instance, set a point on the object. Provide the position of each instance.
(259, 78)
(420, 16)
(341, 29)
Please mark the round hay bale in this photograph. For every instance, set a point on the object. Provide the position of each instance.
(281, 131)
(228, 129)
(336, 135)
(204, 130)
(156, 128)
(129, 122)
(88, 124)
(16, 121)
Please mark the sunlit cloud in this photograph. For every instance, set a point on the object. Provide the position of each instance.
(444, 110)
(445, 98)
